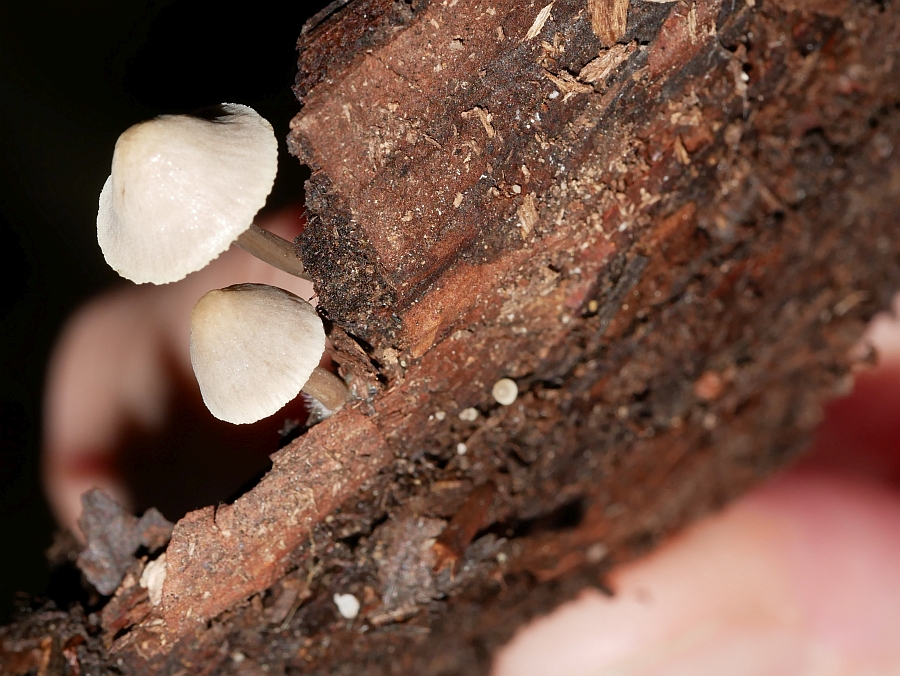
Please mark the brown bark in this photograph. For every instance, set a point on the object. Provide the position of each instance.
(669, 243)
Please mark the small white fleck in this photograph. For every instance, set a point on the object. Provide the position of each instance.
(347, 605)
(439, 415)
(468, 414)
(461, 448)
(596, 552)
(553, 95)
(237, 657)
(517, 189)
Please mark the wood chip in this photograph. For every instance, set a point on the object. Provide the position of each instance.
(600, 68)
(608, 19)
(528, 215)
(567, 84)
(539, 22)
(484, 117)
(681, 152)
(153, 577)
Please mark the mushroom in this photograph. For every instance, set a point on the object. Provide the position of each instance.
(347, 604)
(505, 391)
(183, 188)
(254, 347)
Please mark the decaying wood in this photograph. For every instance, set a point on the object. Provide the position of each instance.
(670, 243)
(218, 556)
(609, 19)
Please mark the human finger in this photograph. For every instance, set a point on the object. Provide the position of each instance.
(120, 375)
(799, 577)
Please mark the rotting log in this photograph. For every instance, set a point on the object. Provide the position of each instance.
(670, 233)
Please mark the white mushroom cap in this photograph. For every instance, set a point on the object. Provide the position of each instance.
(181, 191)
(253, 347)
(505, 391)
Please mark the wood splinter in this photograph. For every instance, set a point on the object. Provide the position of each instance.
(452, 543)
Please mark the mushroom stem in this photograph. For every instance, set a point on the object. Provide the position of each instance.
(327, 388)
(272, 249)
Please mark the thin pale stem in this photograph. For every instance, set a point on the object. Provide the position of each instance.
(327, 388)
(272, 249)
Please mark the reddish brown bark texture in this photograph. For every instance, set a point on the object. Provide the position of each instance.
(670, 243)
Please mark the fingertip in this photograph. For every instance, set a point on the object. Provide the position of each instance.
(802, 570)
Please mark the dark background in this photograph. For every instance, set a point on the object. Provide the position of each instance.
(73, 76)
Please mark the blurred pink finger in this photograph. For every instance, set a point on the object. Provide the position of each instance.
(799, 577)
(121, 372)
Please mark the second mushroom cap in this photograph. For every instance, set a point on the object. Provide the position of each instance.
(253, 348)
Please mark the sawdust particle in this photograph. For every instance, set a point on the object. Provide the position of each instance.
(681, 152)
(484, 117)
(692, 23)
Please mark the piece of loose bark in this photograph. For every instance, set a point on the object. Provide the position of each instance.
(455, 539)
(113, 536)
(671, 266)
(219, 556)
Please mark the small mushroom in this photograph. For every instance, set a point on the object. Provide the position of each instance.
(347, 604)
(505, 391)
(254, 347)
(183, 188)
